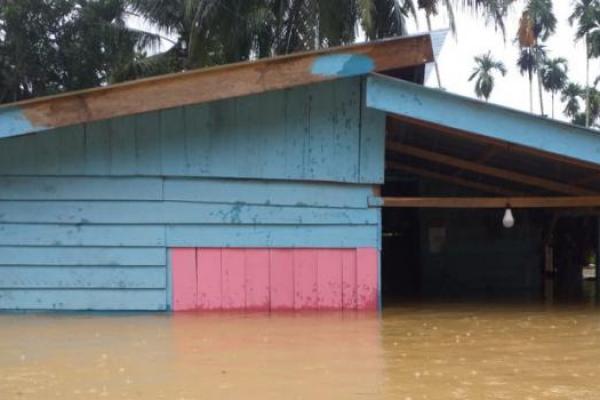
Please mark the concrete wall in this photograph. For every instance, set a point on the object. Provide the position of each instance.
(88, 213)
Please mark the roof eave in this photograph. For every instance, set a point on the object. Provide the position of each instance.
(210, 84)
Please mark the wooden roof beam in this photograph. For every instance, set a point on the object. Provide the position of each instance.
(484, 157)
(487, 170)
(210, 84)
(491, 202)
(396, 166)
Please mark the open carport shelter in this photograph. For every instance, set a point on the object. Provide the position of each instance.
(260, 186)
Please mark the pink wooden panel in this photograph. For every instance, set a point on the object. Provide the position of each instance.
(329, 279)
(305, 279)
(184, 279)
(208, 262)
(349, 279)
(282, 279)
(257, 279)
(233, 275)
(367, 267)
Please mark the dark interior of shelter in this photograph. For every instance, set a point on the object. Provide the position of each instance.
(459, 254)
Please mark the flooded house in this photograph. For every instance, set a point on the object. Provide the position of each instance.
(330, 180)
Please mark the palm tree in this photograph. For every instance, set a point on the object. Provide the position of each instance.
(594, 110)
(570, 95)
(544, 25)
(529, 62)
(384, 18)
(554, 76)
(587, 15)
(209, 32)
(594, 106)
(485, 66)
(536, 25)
(48, 47)
(491, 9)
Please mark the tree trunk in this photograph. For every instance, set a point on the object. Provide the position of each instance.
(317, 30)
(435, 61)
(553, 104)
(541, 91)
(530, 92)
(587, 81)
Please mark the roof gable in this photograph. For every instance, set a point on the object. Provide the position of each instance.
(214, 83)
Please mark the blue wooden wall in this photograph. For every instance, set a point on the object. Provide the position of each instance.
(318, 132)
(88, 213)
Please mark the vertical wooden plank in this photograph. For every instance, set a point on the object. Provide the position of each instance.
(296, 131)
(172, 142)
(269, 139)
(597, 261)
(184, 279)
(6, 158)
(148, 155)
(71, 150)
(305, 279)
(208, 262)
(257, 280)
(319, 161)
(346, 150)
(248, 151)
(372, 144)
(122, 145)
(329, 279)
(197, 139)
(367, 271)
(97, 149)
(223, 128)
(282, 279)
(349, 279)
(233, 272)
(169, 279)
(45, 151)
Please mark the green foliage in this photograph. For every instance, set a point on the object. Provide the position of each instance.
(542, 18)
(531, 59)
(209, 32)
(586, 14)
(48, 47)
(554, 76)
(485, 66)
(571, 94)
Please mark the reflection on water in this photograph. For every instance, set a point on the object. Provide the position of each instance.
(425, 352)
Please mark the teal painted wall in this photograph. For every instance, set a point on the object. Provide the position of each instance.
(319, 132)
(88, 213)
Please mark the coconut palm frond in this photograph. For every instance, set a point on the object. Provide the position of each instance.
(485, 68)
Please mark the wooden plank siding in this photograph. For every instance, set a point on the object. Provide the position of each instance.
(56, 239)
(305, 133)
(275, 279)
(93, 211)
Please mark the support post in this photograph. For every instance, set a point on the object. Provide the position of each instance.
(597, 261)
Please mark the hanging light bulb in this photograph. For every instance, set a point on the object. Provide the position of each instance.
(508, 221)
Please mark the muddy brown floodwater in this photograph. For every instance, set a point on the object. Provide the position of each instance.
(423, 352)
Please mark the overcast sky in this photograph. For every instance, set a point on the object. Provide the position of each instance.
(474, 38)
